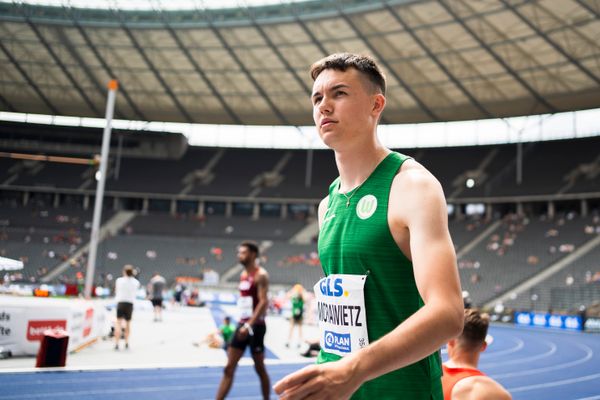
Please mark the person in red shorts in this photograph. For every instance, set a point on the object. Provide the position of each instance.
(462, 380)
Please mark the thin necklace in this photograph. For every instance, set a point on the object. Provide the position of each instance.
(353, 193)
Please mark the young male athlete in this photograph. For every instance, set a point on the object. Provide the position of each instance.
(391, 296)
(462, 380)
(252, 304)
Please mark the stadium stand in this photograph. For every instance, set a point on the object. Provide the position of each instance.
(171, 256)
(275, 173)
(567, 290)
(42, 236)
(294, 173)
(156, 176)
(236, 170)
(546, 170)
(289, 264)
(201, 196)
(216, 226)
(517, 250)
(463, 231)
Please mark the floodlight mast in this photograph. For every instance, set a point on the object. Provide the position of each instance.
(91, 266)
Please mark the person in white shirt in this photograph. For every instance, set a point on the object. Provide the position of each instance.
(126, 288)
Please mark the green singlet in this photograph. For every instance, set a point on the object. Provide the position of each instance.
(356, 239)
(297, 306)
(227, 332)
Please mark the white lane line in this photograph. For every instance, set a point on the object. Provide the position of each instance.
(199, 374)
(588, 356)
(554, 384)
(147, 366)
(552, 350)
(109, 391)
(520, 344)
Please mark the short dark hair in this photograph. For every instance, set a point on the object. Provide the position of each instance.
(475, 328)
(250, 245)
(128, 269)
(342, 61)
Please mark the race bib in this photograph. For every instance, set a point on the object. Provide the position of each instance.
(341, 313)
(244, 304)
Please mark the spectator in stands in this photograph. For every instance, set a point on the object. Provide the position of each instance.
(156, 287)
(462, 380)
(251, 329)
(533, 260)
(566, 248)
(383, 241)
(569, 280)
(125, 292)
(296, 296)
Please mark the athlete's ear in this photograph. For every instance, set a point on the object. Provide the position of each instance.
(378, 103)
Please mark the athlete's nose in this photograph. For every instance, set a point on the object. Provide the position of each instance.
(325, 106)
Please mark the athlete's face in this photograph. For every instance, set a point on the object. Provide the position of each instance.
(345, 105)
(245, 256)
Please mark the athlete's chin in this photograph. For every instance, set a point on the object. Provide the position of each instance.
(329, 138)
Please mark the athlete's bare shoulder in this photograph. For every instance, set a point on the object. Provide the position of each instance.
(413, 174)
(323, 205)
(479, 388)
(263, 272)
(414, 188)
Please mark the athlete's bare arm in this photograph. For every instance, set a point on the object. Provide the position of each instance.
(262, 283)
(418, 221)
(479, 388)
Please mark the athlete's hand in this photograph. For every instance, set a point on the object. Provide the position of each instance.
(334, 380)
(242, 333)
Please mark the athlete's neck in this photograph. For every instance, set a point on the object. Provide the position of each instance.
(355, 166)
(251, 268)
(464, 360)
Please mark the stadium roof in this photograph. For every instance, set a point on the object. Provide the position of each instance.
(445, 60)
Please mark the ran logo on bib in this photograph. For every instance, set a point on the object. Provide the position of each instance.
(338, 341)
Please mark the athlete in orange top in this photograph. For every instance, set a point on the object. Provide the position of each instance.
(462, 380)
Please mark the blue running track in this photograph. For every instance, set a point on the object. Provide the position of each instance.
(531, 363)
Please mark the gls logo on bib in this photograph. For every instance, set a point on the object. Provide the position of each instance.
(333, 288)
(366, 206)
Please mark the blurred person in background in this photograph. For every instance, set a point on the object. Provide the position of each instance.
(126, 288)
(296, 296)
(220, 338)
(252, 305)
(156, 287)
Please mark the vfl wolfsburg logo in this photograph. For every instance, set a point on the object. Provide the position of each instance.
(366, 206)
